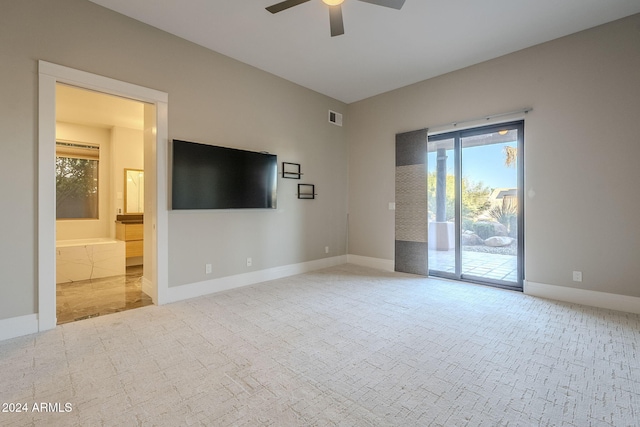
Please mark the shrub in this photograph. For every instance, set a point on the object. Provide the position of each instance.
(506, 215)
(503, 214)
(513, 226)
(467, 223)
(484, 230)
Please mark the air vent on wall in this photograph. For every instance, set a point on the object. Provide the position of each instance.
(335, 118)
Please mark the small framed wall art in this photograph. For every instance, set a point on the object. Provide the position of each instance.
(291, 170)
(306, 191)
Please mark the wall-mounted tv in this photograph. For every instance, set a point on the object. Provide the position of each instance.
(211, 177)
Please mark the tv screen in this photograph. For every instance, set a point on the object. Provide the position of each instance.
(211, 177)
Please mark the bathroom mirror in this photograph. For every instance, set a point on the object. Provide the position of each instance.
(133, 191)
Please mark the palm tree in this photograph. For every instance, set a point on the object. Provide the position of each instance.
(511, 156)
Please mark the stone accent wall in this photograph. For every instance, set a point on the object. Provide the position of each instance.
(411, 203)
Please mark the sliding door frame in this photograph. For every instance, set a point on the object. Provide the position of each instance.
(457, 137)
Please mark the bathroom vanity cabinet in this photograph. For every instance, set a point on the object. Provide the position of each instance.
(132, 232)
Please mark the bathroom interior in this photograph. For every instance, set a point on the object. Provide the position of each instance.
(99, 204)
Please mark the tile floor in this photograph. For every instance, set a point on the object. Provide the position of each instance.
(490, 266)
(97, 297)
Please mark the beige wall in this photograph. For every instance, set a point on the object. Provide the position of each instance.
(212, 99)
(128, 153)
(581, 152)
(581, 146)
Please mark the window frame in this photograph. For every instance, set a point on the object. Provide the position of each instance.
(82, 151)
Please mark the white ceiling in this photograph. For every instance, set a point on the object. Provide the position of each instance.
(382, 48)
(89, 108)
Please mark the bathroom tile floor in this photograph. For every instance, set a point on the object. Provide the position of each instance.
(97, 297)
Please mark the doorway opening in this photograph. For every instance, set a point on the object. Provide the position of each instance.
(155, 106)
(99, 204)
(475, 205)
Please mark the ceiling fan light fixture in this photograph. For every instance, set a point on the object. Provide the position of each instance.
(335, 10)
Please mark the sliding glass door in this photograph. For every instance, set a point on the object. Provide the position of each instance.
(474, 185)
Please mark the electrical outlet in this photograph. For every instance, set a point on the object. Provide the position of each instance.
(326, 249)
(577, 276)
(249, 262)
(207, 269)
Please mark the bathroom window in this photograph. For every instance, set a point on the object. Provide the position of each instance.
(76, 180)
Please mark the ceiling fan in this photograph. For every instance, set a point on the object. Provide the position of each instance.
(335, 10)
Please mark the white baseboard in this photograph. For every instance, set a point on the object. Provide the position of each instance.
(192, 290)
(17, 326)
(365, 261)
(585, 297)
(147, 286)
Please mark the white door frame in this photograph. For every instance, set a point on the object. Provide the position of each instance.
(48, 75)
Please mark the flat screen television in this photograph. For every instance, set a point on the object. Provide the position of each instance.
(211, 177)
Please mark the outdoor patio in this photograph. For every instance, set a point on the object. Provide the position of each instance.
(481, 264)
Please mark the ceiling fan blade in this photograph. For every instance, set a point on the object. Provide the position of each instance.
(393, 4)
(279, 7)
(335, 19)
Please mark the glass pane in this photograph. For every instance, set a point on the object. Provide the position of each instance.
(76, 188)
(441, 195)
(489, 223)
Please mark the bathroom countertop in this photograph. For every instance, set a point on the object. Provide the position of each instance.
(130, 219)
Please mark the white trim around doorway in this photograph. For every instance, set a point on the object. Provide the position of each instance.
(49, 74)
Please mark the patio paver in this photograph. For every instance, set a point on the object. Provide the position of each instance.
(490, 266)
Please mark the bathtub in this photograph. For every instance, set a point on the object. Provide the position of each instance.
(84, 259)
